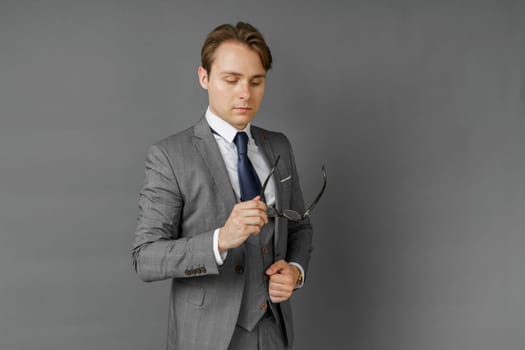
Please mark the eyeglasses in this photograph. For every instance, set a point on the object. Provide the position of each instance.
(290, 214)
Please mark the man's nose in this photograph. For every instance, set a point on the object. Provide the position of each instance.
(244, 92)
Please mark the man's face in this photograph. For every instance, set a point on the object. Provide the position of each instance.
(235, 84)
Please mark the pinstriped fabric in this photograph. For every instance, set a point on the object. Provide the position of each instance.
(267, 335)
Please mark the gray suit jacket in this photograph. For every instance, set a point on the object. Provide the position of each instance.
(186, 195)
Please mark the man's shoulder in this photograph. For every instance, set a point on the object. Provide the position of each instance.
(266, 131)
(178, 139)
(275, 137)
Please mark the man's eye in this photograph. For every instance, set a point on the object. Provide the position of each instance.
(256, 82)
(231, 81)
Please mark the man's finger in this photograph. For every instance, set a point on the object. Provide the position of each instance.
(252, 212)
(253, 221)
(252, 204)
(279, 296)
(276, 267)
(282, 279)
(282, 293)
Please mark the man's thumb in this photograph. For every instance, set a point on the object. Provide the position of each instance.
(274, 268)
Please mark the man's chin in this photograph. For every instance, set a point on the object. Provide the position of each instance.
(247, 114)
(240, 120)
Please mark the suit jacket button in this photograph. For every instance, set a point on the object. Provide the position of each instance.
(264, 250)
(239, 269)
(264, 306)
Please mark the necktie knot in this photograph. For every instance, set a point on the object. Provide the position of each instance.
(241, 141)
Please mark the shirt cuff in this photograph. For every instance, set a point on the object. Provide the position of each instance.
(297, 285)
(219, 258)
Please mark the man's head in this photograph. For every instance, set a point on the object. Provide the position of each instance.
(234, 62)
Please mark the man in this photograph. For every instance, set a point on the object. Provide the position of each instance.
(203, 222)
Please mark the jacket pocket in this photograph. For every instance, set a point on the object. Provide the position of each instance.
(192, 294)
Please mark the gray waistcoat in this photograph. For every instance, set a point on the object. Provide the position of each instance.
(259, 256)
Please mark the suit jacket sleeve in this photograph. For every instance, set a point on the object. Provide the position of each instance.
(160, 251)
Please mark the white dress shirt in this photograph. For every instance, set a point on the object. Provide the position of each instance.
(224, 134)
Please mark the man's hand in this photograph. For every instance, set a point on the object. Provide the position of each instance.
(282, 280)
(246, 219)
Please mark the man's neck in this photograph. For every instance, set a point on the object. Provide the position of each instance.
(223, 128)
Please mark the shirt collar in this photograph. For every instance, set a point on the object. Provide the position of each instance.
(223, 128)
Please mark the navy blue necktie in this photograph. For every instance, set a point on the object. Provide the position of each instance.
(248, 179)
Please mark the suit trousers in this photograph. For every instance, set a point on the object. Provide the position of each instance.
(268, 334)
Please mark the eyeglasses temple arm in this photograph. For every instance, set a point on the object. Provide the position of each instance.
(316, 200)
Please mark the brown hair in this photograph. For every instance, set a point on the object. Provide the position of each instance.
(243, 33)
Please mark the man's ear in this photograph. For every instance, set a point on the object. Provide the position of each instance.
(203, 77)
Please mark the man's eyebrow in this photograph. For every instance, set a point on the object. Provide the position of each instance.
(237, 74)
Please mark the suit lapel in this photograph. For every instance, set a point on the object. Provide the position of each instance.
(207, 146)
(205, 143)
(262, 140)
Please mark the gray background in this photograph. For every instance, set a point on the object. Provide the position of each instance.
(416, 108)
